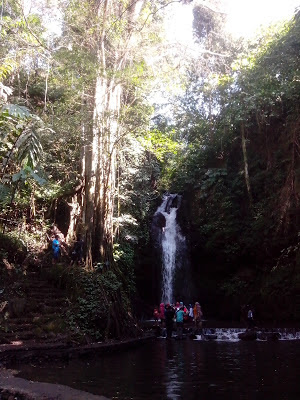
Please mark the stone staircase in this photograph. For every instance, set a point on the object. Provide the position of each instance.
(35, 312)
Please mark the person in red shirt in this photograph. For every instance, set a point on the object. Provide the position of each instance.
(156, 314)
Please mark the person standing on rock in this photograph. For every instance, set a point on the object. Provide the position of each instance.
(250, 318)
(198, 316)
(169, 316)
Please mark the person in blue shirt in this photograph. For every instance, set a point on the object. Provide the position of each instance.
(179, 322)
(55, 250)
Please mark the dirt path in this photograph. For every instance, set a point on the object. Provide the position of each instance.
(12, 387)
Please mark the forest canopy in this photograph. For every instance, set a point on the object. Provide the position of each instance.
(86, 149)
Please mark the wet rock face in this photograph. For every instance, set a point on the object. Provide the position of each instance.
(159, 220)
(158, 223)
(172, 203)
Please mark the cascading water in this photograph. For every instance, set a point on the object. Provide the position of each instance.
(262, 334)
(172, 243)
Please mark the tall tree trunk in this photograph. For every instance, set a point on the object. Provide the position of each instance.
(89, 186)
(245, 158)
(100, 153)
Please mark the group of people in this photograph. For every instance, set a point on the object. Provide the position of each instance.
(167, 314)
(76, 250)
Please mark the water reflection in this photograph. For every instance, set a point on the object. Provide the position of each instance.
(176, 371)
(188, 370)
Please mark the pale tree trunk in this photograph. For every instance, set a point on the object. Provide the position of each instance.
(89, 187)
(75, 215)
(101, 128)
(100, 180)
(110, 179)
(100, 155)
(245, 158)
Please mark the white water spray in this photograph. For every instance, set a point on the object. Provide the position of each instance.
(171, 239)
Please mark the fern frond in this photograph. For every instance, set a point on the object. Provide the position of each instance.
(20, 133)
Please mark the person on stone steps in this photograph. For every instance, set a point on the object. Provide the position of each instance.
(77, 252)
(55, 249)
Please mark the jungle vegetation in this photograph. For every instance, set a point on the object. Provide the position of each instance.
(84, 150)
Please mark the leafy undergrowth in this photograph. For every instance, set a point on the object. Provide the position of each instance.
(94, 309)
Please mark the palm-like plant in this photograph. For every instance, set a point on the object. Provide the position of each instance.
(20, 148)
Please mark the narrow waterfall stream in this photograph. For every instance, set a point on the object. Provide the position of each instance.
(172, 243)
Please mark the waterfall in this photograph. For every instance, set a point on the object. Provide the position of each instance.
(172, 242)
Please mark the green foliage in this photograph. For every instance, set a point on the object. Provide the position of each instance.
(92, 307)
(20, 131)
(12, 248)
(234, 287)
(124, 256)
(20, 151)
(50, 84)
(161, 144)
(262, 92)
(26, 173)
(92, 296)
(5, 195)
(14, 110)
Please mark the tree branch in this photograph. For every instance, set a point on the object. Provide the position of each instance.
(30, 30)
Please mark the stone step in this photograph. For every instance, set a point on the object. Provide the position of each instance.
(53, 310)
(48, 301)
(44, 311)
(38, 283)
(25, 335)
(45, 295)
(20, 320)
(19, 330)
(48, 292)
(28, 333)
(15, 327)
(42, 317)
(53, 305)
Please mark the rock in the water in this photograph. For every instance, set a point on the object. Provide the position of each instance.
(268, 336)
(248, 335)
(210, 336)
(159, 220)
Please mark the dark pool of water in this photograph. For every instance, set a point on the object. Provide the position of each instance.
(189, 370)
